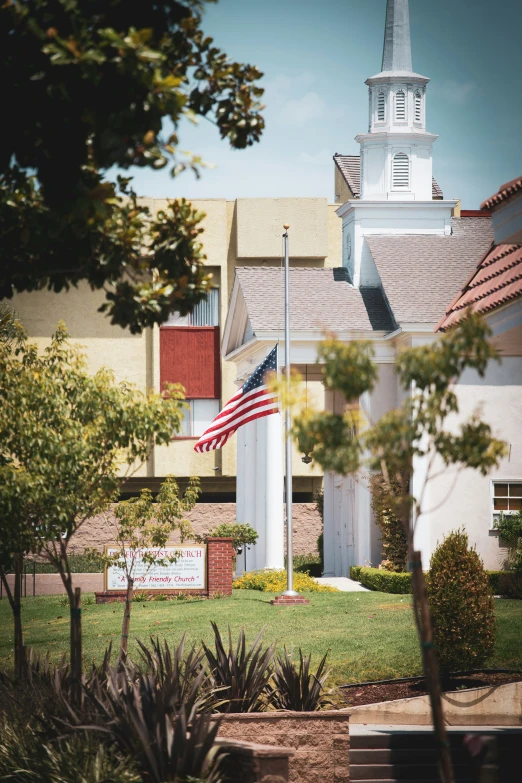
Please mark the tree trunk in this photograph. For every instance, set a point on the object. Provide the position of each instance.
(75, 599)
(431, 668)
(126, 619)
(14, 598)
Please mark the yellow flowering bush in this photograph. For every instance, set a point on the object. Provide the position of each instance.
(272, 581)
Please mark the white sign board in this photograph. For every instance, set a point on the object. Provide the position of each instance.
(187, 573)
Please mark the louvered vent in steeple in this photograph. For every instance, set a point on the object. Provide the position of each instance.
(400, 171)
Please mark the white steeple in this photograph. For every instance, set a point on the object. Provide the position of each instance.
(396, 151)
(396, 158)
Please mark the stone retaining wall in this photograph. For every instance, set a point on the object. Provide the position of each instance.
(100, 530)
(321, 740)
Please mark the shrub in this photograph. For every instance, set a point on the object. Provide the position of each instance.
(275, 581)
(393, 536)
(461, 605)
(355, 573)
(509, 527)
(308, 564)
(297, 687)
(510, 584)
(243, 534)
(385, 581)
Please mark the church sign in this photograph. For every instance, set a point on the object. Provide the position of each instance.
(188, 572)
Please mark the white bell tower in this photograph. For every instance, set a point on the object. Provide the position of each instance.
(396, 158)
(396, 151)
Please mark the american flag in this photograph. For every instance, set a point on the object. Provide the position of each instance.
(253, 400)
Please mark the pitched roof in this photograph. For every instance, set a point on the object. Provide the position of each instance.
(504, 193)
(496, 280)
(421, 273)
(317, 301)
(350, 168)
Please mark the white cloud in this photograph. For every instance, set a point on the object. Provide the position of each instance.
(300, 111)
(454, 92)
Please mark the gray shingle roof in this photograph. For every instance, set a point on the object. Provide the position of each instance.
(317, 301)
(350, 168)
(421, 274)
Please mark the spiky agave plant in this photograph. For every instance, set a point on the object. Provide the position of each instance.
(296, 687)
(179, 667)
(241, 675)
(147, 718)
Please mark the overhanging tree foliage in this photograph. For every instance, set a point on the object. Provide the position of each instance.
(423, 427)
(67, 439)
(90, 85)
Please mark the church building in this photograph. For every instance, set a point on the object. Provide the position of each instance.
(406, 252)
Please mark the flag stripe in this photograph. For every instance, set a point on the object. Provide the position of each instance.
(252, 413)
(253, 401)
(257, 399)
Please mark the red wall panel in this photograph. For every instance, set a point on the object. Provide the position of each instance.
(190, 355)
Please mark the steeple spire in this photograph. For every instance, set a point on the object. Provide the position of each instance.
(396, 54)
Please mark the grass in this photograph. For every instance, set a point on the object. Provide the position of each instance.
(368, 635)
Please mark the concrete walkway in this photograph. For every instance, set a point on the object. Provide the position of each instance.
(342, 583)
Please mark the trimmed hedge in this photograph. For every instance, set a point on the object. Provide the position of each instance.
(400, 583)
(385, 581)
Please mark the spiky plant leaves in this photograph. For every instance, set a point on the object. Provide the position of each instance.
(297, 687)
(243, 675)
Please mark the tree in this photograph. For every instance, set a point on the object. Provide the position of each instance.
(420, 428)
(97, 85)
(67, 440)
(143, 524)
(461, 605)
(244, 535)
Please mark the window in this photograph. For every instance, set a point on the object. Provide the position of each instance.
(205, 313)
(198, 417)
(400, 171)
(507, 497)
(380, 107)
(417, 99)
(400, 106)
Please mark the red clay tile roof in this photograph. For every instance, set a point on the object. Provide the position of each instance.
(496, 281)
(505, 192)
(350, 168)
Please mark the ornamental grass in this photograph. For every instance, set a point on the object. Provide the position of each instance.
(274, 581)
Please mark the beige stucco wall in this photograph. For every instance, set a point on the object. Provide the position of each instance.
(236, 232)
(341, 190)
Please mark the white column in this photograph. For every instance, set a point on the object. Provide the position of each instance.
(260, 492)
(329, 525)
(240, 489)
(274, 485)
(249, 505)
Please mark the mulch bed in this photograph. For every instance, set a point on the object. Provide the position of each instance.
(371, 694)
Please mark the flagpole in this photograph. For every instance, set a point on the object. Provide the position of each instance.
(288, 427)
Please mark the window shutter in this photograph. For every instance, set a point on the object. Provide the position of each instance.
(418, 105)
(400, 105)
(190, 355)
(380, 107)
(401, 171)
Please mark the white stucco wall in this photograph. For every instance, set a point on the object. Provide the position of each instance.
(499, 398)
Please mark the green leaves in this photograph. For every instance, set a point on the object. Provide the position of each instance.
(65, 436)
(424, 424)
(105, 80)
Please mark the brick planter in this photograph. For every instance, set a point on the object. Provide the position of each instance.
(321, 740)
(220, 555)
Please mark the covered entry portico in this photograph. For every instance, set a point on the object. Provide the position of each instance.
(319, 303)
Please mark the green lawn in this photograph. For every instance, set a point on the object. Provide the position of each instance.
(369, 635)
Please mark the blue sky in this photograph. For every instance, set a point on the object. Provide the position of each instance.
(316, 55)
